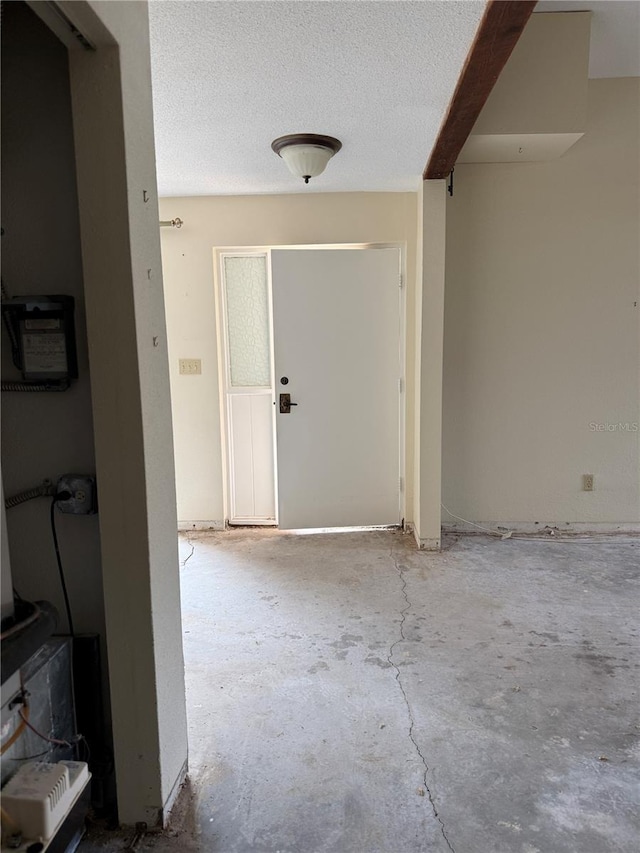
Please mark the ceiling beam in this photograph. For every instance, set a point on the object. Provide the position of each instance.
(500, 28)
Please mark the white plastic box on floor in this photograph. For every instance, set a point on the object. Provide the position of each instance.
(40, 795)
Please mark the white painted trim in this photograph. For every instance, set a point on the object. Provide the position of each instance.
(430, 299)
(251, 250)
(173, 795)
(226, 390)
(427, 544)
(402, 378)
(117, 198)
(57, 25)
(201, 525)
(272, 356)
(358, 528)
(221, 362)
(423, 544)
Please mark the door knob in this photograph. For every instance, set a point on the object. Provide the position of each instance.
(285, 404)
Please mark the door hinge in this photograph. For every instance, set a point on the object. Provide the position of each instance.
(401, 483)
(401, 282)
(400, 385)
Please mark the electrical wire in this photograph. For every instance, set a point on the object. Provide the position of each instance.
(506, 535)
(75, 744)
(579, 539)
(63, 581)
(510, 534)
(57, 385)
(28, 757)
(44, 490)
(23, 497)
(15, 829)
(86, 754)
(22, 725)
(11, 333)
(19, 626)
(48, 739)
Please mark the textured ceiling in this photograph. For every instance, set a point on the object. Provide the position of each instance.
(615, 34)
(229, 77)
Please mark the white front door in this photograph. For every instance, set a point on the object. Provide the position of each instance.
(336, 322)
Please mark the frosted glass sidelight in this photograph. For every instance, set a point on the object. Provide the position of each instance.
(248, 321)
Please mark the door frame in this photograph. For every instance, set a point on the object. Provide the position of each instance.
(219, 252)
(225, 387)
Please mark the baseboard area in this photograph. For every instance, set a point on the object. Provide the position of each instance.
(424, 544)
(575, 528)
(173, 794)
(201, 525)
(434, 544)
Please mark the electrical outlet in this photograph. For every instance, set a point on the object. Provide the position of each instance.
(587, 482)
(82, 488)
(190, 366)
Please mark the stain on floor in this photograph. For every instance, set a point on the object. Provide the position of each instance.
(486, 701)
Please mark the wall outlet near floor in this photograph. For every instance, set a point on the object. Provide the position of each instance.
(587, 482)
(190, 366)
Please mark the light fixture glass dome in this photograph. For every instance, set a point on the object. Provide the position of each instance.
(306, 154)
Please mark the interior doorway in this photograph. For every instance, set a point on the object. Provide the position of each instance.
(311, 355)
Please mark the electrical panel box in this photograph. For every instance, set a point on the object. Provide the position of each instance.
(42, 336)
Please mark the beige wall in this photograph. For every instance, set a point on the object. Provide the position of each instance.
(187, 253)
(538, 107)
(541, 332)
(542, 329)
(543, 86)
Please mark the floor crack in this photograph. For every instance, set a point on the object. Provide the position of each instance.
(403, 616)
(184, 562)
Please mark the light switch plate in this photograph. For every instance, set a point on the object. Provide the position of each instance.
(190, 366)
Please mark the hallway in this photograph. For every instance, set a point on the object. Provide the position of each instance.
(347, 693)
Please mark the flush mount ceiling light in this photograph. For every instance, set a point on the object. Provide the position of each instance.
(306, 154)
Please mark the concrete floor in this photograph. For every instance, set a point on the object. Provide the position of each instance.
(348, 694)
